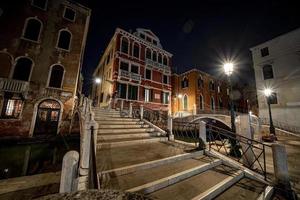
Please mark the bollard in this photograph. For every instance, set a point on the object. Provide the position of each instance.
(69, 172)
(202, 135)
(170, 128)
(122, 105)
(142, 111)
(130, 109)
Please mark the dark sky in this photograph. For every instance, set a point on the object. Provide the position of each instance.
(199, 34)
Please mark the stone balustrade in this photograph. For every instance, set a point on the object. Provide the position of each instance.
(11, 85)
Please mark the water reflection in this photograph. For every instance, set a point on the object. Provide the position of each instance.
(29, 159)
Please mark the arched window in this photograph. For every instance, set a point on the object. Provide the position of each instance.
(56, 76)
(268, 72)
(40, 4)
(159, 58)
(201, 102)
(22, 69)
(154, 56)
(5, 64)
(211, 85)
(165, 61)
(185, 102)
(212, 103)
(148, 54)
(32, 29)
(185, 82)
(64, 39)
(220, 103)
(136, 50)
(124, 45)
(200, 82)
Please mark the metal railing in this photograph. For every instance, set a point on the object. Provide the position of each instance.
(187, 132)
(92, 175)
(130, 75)
(249, 152)
(281, 125)
(157, 117)
(152, 63)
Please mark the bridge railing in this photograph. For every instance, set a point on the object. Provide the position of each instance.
(281, 125)
(249, 152)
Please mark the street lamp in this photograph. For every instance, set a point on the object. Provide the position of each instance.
(228, 69)
(97, 81)
(268, 93)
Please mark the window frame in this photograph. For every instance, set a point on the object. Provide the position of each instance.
(139, 47)
(263, 74)
(3, 115)
(14, 67)
(146, 74)
(264, 51)
(57, 41)
(66, 7)
(128, 45)
(163, 79)
(25, 27)
(50, 73)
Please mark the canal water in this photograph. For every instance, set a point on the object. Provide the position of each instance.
(29, 159)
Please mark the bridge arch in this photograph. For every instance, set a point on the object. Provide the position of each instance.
(214, 121)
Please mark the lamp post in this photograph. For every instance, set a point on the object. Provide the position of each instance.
(234, 149)
(97, 81)
(179, 96)
(268, 93)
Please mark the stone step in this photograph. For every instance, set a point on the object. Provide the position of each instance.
(116, 119)
(108, 122)
(244, 189)
(109, 137)
(195, 186)
(129, 141)
(127, 130)
(152, 179)
(123, 126)
(118, 157)
(105, 111)
(107, 115)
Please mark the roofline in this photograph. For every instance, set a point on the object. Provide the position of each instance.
(284, 34)
(197, 70)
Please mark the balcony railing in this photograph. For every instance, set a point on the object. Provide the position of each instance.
(156, 64)
(130, 75)
(10, 85)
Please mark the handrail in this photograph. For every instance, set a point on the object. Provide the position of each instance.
(92, 176)
(156, 117)
(280, 125)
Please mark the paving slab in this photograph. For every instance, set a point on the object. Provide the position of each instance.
(112, 158)
(195, 185)
(244, 189)
(142, 177)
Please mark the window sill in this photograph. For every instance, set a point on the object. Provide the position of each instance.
(62, 50)
(69, 19)
(29, 40)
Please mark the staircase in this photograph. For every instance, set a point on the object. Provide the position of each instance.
(133, 157)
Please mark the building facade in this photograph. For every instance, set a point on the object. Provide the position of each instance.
(277, 66)
(196, 92)
(134, 68)
(41, 51)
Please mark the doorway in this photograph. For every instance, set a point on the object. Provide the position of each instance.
(47, 118)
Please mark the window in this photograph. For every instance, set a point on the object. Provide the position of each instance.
(136, 50)
(39, 3)
(101, 97)
(124, 45)
(148, 39)
(64, 40)
(273, 98)
(212, 103)
(185, 102)
(32, 30)
(11, 108)
(148, 74)
(200, 82)
(56, 76)
(264, 52)
(22, 69)
(220, 103)
(142, 36)
(201, 102)
(135, 69)
(148, 95)
(185, 83)
(122, 90)
(148, 54)
(165, 61)
(154, 56)
(159, 58)
(268, 72)
(124, 66)
(165, 97)
(132, 92)
(165, 79)
(69, 14)
(211, 85)
(154, 42)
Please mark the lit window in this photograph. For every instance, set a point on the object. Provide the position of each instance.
(64, 40)
(12, 108)
(32, 30)
(165, 97)
(69, 14)
(147, 95)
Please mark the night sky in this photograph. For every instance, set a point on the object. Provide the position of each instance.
(200, 35)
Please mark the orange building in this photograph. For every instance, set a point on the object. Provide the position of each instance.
(195, 92)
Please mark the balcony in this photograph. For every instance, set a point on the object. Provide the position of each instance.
(129, 75)
(152, 64)
(10, 85)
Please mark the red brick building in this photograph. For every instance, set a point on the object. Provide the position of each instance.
(195, 91)
(42, 43)
(134, 68)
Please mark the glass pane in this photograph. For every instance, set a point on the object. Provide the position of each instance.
(43, 115)
(50, 104)
(54, 115)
